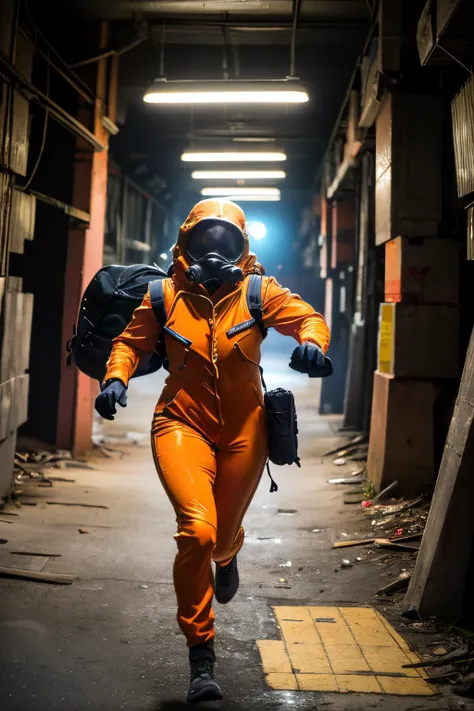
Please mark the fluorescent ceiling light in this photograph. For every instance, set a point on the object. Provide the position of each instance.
(225, 91)
(255, 198)
(238, 174)
(227, 156)
(219, 192)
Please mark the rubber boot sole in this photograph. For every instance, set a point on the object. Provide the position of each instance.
(209, 691)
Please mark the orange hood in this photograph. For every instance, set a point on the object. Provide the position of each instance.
(213, 208)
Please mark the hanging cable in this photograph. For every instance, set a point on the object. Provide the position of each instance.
(45, 131)
(162, 49)
(296, 14)
(225, 58)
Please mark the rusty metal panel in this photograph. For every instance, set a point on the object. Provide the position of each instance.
(13, 404)
(6, 402)
(17, 320)
(463, 135)
(22, 220)
(21, 110)
(7, 459)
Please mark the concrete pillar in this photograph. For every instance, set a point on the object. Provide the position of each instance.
(338, 300)
(419, 321)
(85, 257)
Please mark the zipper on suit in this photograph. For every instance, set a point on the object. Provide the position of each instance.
(214, 365)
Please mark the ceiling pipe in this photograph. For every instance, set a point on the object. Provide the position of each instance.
(296, 14)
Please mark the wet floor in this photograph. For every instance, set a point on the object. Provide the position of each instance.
(110, 640)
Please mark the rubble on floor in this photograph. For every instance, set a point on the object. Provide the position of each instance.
(387, 535)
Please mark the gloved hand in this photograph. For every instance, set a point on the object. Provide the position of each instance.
(113, 392)
(309, 358)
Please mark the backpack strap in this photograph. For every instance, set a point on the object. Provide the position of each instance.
(157, 298)
(254, 301)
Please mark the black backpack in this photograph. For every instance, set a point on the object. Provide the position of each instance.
(107, 308)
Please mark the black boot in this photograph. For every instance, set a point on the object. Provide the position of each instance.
(203, 686)
(227, 581)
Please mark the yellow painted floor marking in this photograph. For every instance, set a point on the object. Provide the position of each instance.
(282, 682)
(308, 659)
(336, 632)
(321, 682)
(389, 660)
(351, 683)
(346, 659)
(340, 649)
(275, 655)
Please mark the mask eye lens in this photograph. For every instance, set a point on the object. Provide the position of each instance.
(222, 239)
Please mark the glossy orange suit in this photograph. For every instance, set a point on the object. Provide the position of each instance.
(209, 430)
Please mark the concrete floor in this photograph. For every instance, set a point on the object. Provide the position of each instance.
(110, 641)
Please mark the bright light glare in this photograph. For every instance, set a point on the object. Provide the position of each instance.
(233, 156)
(163, 255)
(257, 230)
(226, 97)
(251, 198)
(238, 174)
(218, 192)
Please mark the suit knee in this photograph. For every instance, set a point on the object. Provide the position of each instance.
(196, 534)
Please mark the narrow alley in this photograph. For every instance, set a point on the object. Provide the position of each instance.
(236, 355)
(110, 640)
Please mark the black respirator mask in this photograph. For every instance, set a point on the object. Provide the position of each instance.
(214, 249)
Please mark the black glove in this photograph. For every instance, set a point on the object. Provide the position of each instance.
(309, 358)
(113, 392)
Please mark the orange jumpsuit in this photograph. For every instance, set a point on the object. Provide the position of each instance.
(209, 429)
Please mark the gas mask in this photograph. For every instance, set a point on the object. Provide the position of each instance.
(214, 248)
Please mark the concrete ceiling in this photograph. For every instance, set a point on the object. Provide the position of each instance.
(257, 34)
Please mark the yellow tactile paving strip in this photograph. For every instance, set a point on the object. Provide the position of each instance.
(340, 649)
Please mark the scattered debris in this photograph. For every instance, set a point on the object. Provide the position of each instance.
(401, 583)
(345, 449)
(287, 512)
(346, 563)
(392, 545)
(357, 542)
(325, 619)
(286, 565)
(62, 479)
(71, 503)
(40, 577)
(283, 587)
(339, 462)
(353, 479)
(316, 530)
(354, 499)
(35, 553)
(8, 513)
(384, 492)
(144, 587)
(396, 509)
(411, 613)
(439, 652)
(3, 540)
(83, 530)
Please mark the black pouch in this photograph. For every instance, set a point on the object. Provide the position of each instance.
(282, 427)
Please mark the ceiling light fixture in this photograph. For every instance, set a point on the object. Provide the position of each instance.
(227, 91)
(231, 156)
(227, 191)
(254, 198)
(238, 174)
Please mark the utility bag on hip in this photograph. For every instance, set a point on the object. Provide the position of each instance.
(282, 427)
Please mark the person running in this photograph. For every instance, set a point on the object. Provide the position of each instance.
(209, 436)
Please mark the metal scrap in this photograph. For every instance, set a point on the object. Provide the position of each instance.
(72, 503)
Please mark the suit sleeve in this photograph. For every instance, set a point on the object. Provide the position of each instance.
(138, 340)
(288, 314)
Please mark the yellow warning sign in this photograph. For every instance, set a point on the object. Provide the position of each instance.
(386, 338)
